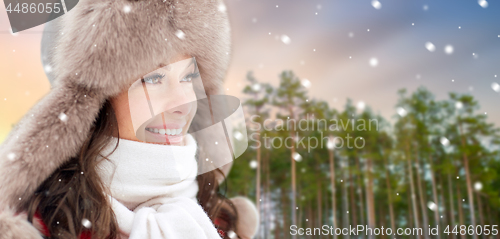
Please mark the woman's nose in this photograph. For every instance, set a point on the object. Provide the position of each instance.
(179, 100)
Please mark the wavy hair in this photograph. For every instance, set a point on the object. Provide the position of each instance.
(74, 192)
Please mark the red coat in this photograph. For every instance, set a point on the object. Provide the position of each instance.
(86, 234)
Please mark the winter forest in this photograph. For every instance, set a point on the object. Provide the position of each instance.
(436, 162)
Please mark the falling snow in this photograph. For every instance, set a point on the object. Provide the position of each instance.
(86, 223)
(297, 156)
(238, 135)
(180, 34)
(127, 9)
(47, 68)
(478, 186)
(376, 4)
(231, 234)
(361, 105)
(373, 62)
(483, 3)
(222, 7)
(253, 164)
(401, 111)
(444, 141)
(448, 49)
(11, 156)
(430, 47)
(63, 117)
(306, 83)
(285, 39)
(432, 206)
(495, 86)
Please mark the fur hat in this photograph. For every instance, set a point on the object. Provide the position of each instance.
(100, 46)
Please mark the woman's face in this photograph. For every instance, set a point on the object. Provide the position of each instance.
(159, 107)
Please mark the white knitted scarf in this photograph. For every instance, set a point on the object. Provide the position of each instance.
(153, 190)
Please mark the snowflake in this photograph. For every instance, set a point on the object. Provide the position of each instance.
(127, 9)
(180, 34)
(47, 68)
(86, 223)
(495, 86)
(222, 7)
(11, 156)
(63, 117)
(285, 39)
(401, 111)
(430, 47)
(483, 3)
(376, 4)
(297, 156)
(361, 105)
(448, 49)
(444, 141)
(253, 164)
(306, 83)
(432, 206)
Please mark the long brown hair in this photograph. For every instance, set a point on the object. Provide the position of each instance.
(74, 192)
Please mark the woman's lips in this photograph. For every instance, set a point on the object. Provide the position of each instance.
(169, 139)
(164, 131)
(168, 132)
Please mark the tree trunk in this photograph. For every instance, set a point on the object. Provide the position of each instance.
(332, 182)
(434, 195)
(421, 192)
(257, 188)
(286, 228)
(320, 203)
(345, 203)
(468, 181)
(389, 196)
(353, 203)
(412, 187)
(480, 209)
(268, 196)
(453, 222)
(460, 212)
(410, 211)
(360, 194)
(369, 197)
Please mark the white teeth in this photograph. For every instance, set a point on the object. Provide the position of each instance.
(165, 131)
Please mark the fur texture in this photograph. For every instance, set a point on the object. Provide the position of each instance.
(103, 46)
(248, 217)
(16, 226)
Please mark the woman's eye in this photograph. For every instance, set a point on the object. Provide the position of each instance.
(154, 79)
(189, 77)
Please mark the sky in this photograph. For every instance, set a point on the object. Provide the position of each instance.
(331, 44)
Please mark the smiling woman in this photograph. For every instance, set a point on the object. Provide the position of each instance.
(113, 150)
(160, 106)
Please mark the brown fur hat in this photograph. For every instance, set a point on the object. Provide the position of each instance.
(102, 45)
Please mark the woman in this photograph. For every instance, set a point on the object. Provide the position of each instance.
(57, 164)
